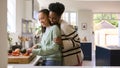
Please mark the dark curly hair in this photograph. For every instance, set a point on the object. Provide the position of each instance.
(46, 11)
(57, 7)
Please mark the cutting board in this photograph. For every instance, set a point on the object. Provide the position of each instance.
(20, 59)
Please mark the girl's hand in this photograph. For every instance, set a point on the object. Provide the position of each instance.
(29, 50)
(35, 47)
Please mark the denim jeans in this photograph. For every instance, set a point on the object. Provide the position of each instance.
(52, 63)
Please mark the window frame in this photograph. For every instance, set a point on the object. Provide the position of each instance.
(68, 19)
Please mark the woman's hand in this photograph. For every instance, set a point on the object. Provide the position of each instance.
(58, 40)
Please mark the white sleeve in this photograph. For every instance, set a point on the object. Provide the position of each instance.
(67, 28)
(69, 37)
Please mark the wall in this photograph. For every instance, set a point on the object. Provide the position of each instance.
(23, 11)
(20, 13)
(3, 33)
(28, 9)
(119, 31)
(86, 16)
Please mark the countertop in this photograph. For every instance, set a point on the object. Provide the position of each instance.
(111, 47)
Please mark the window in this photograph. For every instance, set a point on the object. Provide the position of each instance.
(111, 40)
(105, 36)
(11, 16)
(73, 18)
(112, 18)
(65, 16)
(70, 17)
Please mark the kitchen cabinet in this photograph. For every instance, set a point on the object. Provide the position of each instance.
(107, 56)
(27, 26)
(27, 30)
(87, 50)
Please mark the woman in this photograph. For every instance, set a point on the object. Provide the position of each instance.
(72, 53)
(47, 48)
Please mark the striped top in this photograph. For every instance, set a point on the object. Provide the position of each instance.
(69, 36)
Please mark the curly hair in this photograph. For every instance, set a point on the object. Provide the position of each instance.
(57, 7)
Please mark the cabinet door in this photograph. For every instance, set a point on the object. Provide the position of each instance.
(27, 30)
(87, 50)
(27, 26)
(102, 56)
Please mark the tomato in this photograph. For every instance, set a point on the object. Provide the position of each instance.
(26, 54)
(15, 53)
(17, 50)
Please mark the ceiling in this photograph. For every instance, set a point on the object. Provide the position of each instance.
(94, 5)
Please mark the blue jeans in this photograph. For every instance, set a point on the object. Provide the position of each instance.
(52, 63)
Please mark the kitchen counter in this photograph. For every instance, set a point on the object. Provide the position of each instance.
(30, 65)
(111, 47)
(108, 56)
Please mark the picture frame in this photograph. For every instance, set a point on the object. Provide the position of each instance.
(84, 26)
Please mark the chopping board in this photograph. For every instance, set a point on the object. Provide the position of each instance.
(20, 59)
